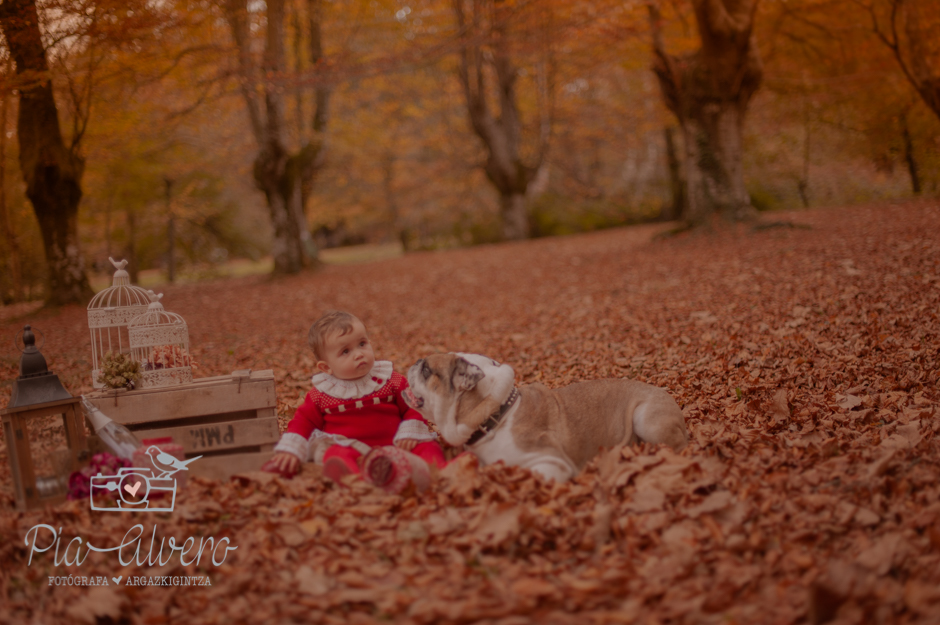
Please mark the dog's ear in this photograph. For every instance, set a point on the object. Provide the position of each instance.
(466, 375)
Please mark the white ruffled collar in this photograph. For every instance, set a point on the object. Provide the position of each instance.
(354, 389)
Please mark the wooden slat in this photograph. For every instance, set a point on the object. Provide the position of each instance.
(234, 378)
(24, 459)
(74, 423)
(218, 436)
(223, 467)
(200, 420)
(13, 456)
(189, 400)
(41, 408)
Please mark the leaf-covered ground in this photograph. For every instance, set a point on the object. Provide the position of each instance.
(805, 360)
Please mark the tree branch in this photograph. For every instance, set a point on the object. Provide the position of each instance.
(927, 84)
(236, 13)
(721, 22)
(473, 84)
(894, 44)
(321, 113)
(664, 65)
(273, 66)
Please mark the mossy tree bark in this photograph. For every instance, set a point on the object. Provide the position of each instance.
(709, 92)
(51, 170)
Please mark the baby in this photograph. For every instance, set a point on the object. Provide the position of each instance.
(355, 405)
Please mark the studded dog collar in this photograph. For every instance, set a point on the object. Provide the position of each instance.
(493, 421)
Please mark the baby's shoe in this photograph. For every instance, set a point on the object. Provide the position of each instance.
(337, 468)
(392, 469)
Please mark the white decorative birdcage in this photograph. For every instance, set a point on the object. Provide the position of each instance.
(108, 315)
(160, 343)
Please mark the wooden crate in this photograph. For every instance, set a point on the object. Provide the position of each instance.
(229, 420)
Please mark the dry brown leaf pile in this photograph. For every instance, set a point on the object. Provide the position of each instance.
(806, 362)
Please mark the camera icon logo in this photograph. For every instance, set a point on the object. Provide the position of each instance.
(142, 488)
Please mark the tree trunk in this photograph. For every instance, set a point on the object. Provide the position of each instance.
(677, 183)
(6, 224)
(170, 233)
(802, 185)
(395, 231)
(52, 171)
(909, 156)
(107, 224)
(285, 179)
(487, 21)
(277, 180)
(133, 268)
(709, 91)
(713, 156)
(515, 217)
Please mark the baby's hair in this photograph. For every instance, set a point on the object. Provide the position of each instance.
(335, 320)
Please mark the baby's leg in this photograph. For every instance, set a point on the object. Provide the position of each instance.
(430, 452)
(339, 461)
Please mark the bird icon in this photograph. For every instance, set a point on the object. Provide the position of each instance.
(163, 461)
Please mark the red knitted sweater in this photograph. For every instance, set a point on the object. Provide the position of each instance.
(372, 419)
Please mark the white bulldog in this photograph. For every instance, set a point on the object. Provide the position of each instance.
(472, 401)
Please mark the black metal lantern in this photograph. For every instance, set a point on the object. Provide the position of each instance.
(36, 384)
(39, 393)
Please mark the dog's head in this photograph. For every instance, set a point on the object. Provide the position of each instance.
(457, 392)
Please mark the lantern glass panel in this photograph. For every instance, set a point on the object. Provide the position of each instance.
(49, 447)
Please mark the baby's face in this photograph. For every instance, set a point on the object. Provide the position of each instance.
(348, 356)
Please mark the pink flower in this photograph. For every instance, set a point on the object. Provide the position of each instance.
(103, 463)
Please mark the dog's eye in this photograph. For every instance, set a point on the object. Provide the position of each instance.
(425, 371)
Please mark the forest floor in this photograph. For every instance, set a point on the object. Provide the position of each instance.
(238, 268)
(805, 359)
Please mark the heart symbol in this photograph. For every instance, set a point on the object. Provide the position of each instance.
(117, 580)
(132, 489)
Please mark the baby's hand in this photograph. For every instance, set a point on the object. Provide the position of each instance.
(285, 462)
(406, 443)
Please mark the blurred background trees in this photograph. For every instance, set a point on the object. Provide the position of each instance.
(203, 131)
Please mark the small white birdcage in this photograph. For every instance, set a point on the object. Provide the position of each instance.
(160, 343)
(108, 315)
